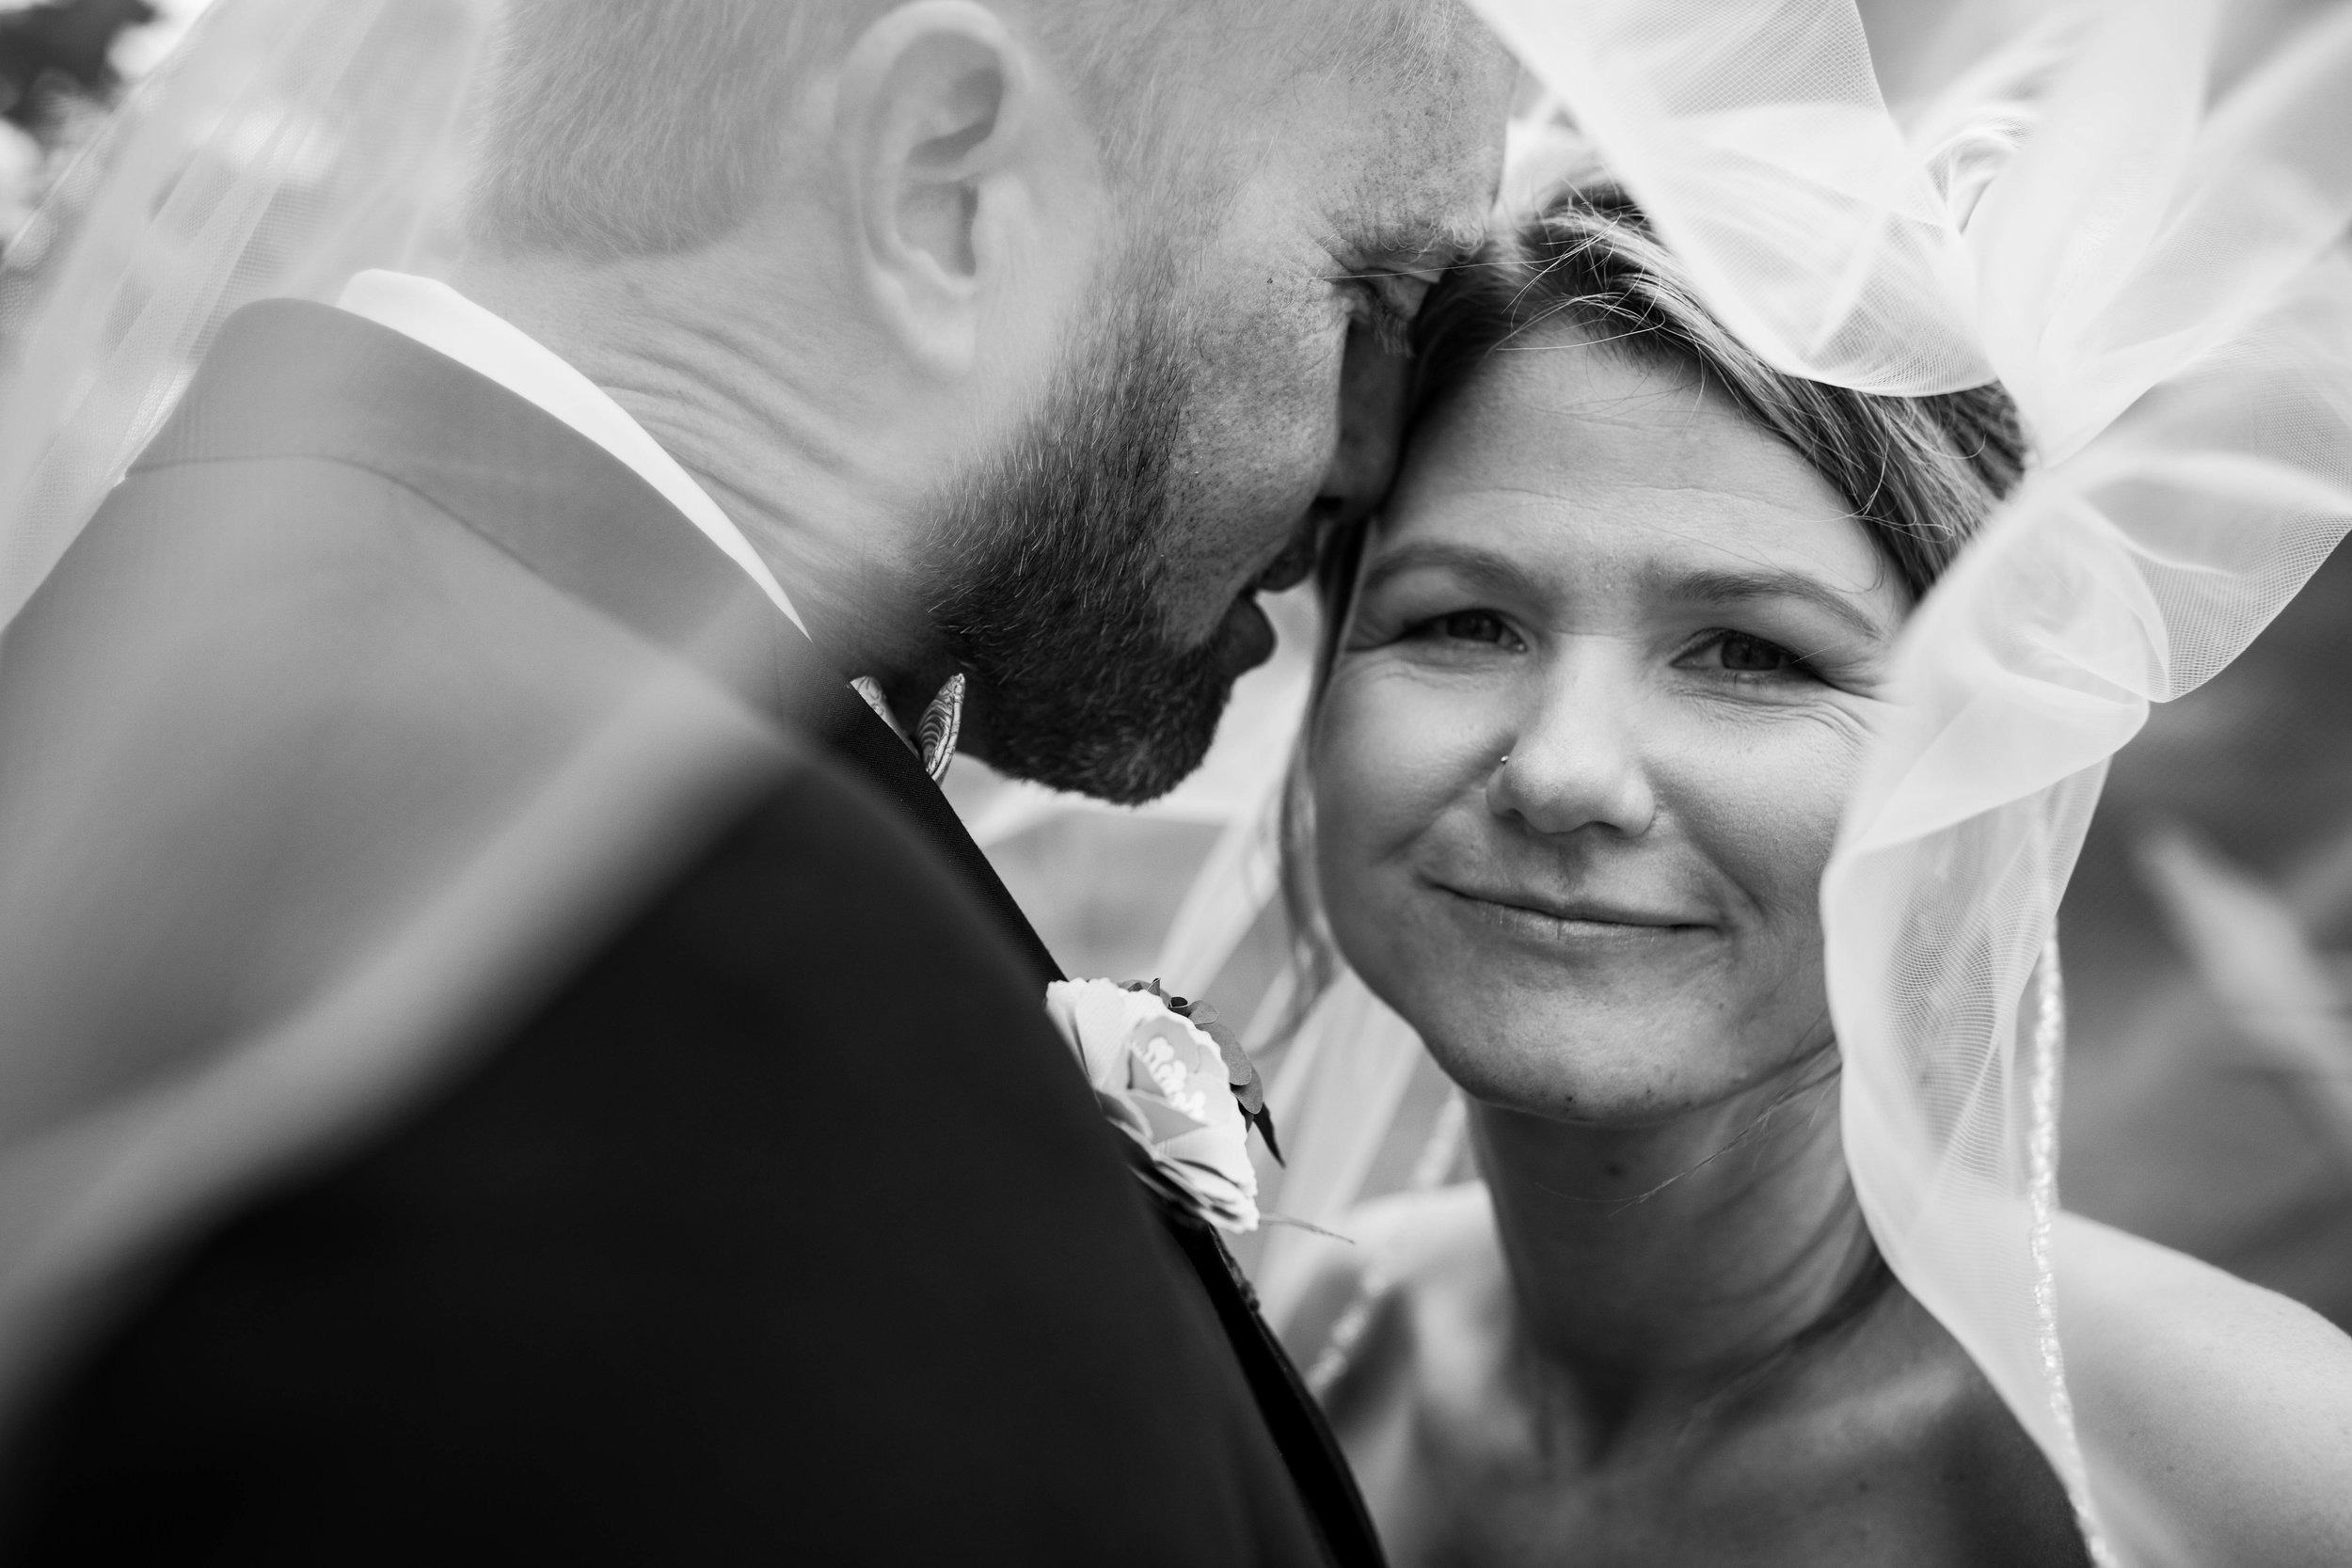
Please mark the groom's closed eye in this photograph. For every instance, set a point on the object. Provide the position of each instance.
(1389, 303)
(1391, 268)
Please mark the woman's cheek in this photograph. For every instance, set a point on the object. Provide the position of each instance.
(1391, 751)
(1765, 807)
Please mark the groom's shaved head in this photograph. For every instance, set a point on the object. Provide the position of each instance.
(1088, 309)
(642, 127)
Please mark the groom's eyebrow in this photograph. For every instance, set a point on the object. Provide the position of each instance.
(1377, 232)
(1417, 242)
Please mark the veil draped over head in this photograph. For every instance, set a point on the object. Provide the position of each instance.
(285, 147)
(2154, 269)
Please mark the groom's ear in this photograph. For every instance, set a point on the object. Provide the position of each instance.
(958, 157)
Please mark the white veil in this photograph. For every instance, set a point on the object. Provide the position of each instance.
(283, 146)
(286, 146)
(2154, 271)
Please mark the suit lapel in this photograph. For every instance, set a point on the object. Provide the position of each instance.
(290, 379)
(860, 739)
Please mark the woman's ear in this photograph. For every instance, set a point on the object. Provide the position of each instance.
(947, 143)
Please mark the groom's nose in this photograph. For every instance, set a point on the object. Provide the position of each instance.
(1373, 386)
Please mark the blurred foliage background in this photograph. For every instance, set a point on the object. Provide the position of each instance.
(62, 63)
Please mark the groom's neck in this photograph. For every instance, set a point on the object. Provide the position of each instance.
(764, 407)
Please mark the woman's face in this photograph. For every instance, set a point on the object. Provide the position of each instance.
(1612, 660)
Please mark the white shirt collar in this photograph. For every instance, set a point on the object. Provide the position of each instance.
(448, 322)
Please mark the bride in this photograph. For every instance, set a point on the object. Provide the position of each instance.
(1599, 691)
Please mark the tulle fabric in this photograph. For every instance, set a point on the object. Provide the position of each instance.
(2129, 574)
(288, 144)
(1758, 135)
(285, 146)
(2153, 273)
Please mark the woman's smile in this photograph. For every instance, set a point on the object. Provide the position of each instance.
(1547, 915)
(1573, 909)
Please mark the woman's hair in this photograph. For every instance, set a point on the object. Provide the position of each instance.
(1920, 473)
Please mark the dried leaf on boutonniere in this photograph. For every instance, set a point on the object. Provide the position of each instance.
(1167, 1081)
(1241, 1073)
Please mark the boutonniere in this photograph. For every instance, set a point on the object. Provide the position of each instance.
(1174, 1080)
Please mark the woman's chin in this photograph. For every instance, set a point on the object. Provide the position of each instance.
(1602, 1085)
(1567, 979)
(1629, 1058)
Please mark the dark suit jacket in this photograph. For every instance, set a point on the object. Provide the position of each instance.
(772, 1223)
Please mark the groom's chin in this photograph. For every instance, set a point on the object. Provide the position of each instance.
(1124, 742)
(1129, 763)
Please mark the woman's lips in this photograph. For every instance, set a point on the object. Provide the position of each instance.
(1576, 910)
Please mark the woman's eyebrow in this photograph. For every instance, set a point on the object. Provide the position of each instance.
(1724, 589)
(1483, 566)
(1714, 588)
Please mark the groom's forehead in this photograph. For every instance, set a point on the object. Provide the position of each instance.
(1410, 185)
(1386, 120)
(1408, 65)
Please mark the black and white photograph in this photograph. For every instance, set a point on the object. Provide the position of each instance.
(1176, 784)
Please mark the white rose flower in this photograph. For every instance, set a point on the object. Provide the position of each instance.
(1163, 1081)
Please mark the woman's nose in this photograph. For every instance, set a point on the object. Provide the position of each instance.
(1575, 761)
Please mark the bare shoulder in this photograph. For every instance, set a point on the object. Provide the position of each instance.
(2231, 1404)
(2112, 1271)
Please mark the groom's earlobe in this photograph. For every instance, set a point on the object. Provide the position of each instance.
(930, 123)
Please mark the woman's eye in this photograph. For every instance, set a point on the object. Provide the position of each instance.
(1472, 625)
(1744, 654)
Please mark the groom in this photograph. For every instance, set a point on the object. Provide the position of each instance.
(709, 1185)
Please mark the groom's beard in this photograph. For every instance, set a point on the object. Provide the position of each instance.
(1045, 597)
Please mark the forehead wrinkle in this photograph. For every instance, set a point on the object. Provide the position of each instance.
(1587, 453)
(1759, 576)
(1760, 568)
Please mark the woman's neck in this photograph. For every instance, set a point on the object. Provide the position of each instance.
(1653, 1266)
